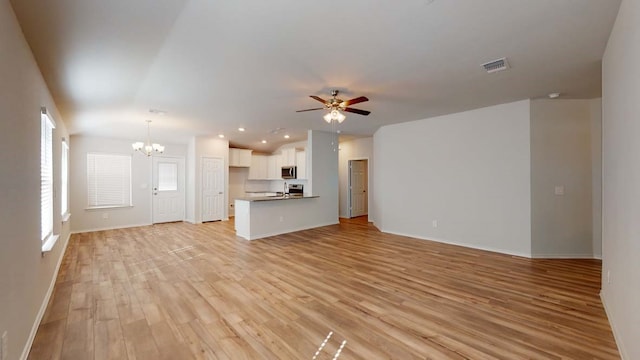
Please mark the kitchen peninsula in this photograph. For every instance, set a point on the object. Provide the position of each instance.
(259, 217)
(315, 206)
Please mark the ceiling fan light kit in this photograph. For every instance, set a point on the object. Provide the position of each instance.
(336, 106)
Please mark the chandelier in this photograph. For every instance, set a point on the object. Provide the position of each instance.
(147, 148)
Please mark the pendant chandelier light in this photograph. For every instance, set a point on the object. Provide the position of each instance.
(147, 148)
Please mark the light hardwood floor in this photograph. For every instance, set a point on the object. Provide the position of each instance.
(182, 291)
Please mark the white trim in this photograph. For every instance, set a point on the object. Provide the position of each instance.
(48, 244)
(472, 246)
(110, 228)
(45, 302)
(616, 334)
(108, 207)
(286, 231)
(66, 217)
(563, 256)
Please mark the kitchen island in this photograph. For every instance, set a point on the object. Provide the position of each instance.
(259, 217)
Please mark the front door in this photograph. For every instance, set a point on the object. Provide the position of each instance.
(212, 189)
(358, 187)
(168, 189)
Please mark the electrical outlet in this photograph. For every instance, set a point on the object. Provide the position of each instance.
(4, 347)
(281, 218)
(608, 276)
(105, 215)
(434, 223)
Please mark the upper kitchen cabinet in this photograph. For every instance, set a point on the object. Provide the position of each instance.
(259, 167)
(239, 157)
(301, 163)
(289, 157)
(274, 165)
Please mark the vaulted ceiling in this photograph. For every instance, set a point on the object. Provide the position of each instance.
(216, 65)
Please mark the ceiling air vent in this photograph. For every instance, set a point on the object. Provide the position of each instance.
(496, 65)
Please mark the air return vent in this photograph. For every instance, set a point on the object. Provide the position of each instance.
(496, 65)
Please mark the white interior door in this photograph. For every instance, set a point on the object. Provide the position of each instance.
(168, 189)
(358, 188)
(212, 189)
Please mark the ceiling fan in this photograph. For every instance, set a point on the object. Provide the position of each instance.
(335, 105)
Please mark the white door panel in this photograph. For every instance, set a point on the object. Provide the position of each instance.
(212, 189)
(168, 189)
(358, 187)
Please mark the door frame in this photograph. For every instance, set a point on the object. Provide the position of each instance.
(182, 176)
(201, 191)
(349, 200)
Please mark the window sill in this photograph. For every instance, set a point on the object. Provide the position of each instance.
(48, 244)
(66, 217)
(108, 207)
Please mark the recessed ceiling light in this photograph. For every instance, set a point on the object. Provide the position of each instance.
(287, 136)
(264, 141)
(240, 129)
(554, 95)
(221, 136)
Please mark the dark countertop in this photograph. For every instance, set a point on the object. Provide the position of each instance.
(274, 198)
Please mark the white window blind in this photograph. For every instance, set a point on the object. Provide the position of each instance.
(167, 177)
(46, 176)
(108, 180)
(64, 179)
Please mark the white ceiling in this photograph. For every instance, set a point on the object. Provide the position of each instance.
(217, 65)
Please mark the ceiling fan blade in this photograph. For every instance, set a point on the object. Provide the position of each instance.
(318, 98)
(354, 101)
(310, 109)
(357, 111)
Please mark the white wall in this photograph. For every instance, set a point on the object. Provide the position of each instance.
(561, 225)
(141, 184)
(357, 149)
(621, 179)
(322, 171)
(469, 171)
(26, 276)
(596, 176)
(205, 146)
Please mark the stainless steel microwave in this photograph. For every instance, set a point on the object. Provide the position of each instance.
(289, 172)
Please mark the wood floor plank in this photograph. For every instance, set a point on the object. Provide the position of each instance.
(183, 291)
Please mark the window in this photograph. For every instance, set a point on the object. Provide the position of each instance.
(108, 180)
(64, 181)
(46, 180)
(167, 177)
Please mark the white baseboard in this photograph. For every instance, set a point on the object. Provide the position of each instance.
(472, 246)
(616, 335)
(563, 256)
(286, 231)
(45, 302)
(110, 228)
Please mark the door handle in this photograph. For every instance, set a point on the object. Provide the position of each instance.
(220, 193)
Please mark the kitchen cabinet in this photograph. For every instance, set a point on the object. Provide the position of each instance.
(289, 157)
(258, 168)
(301, 163)
(274, 166)
(239, 157)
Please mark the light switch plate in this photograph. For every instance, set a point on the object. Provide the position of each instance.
(559, 190)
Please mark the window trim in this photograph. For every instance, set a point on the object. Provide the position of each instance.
(47, 125)
(64, 181)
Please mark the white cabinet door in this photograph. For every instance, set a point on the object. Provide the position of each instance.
(289, 157)
(258, 169)
(239, 157)
(301, 163)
